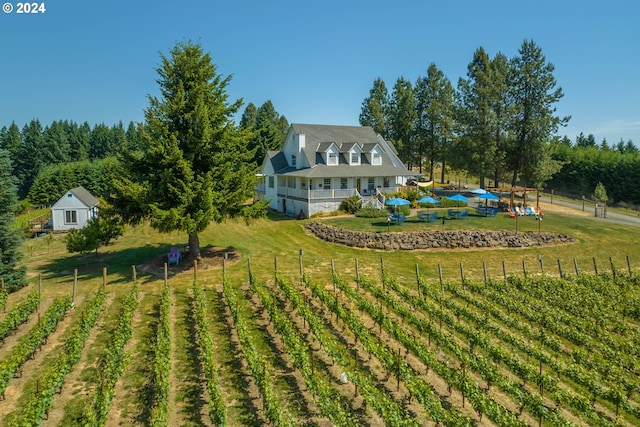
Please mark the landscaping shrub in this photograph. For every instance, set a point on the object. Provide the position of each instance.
(351, 205)
(370, 212)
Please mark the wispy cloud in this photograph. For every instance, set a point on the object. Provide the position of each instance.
(617, 127)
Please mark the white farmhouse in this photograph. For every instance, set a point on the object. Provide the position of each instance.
(321, 165)
(73, 210)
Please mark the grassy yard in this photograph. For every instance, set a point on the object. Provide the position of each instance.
(266, 244)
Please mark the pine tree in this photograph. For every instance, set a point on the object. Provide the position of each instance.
(10, 240)
(193, 167)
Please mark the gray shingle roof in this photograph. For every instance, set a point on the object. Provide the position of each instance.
(84, 196)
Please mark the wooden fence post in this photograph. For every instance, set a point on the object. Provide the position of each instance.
(575, 264)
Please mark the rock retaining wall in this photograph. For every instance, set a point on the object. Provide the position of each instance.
(433, 239)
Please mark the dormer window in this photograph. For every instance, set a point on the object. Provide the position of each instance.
(376, 158)
(332, 158)
(355, 158)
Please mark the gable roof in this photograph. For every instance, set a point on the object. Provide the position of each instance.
(82, 195)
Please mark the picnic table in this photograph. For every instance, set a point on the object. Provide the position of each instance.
(398, 218)
(457, 214)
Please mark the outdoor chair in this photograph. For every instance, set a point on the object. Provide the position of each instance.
(174, 256)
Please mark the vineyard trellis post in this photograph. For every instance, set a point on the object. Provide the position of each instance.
(382, 272)
(560, 269)
(224, 267)
(39, 292)
(629, 264)
(333, 275)
(166, 274)
(575, 264)
(440, 275)
(134, 273)
(275, 269)
(104, 278)
(504, 270)
(524, 268)
(249, 267)
(595, 265)
(613, 269)
(541, 263)
(195, 270)
(300, 254)
(418, 278)
(75, 284)
(484, 271)
(462, 277)
(357, 276)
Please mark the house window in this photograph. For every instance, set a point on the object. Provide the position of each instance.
(343, 183)
(70, 217)
(327, 183)
(271, 182)
(371, 183)
(385, 182)
(377, 159)
(293, 160)
(355, 158)
(333, 158)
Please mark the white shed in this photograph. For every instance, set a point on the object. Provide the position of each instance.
(73, 210)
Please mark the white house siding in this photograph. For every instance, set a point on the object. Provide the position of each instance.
(72, 204)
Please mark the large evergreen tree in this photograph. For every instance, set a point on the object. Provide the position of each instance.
(375, 109)
(434, 104)
(402, 121)
(534, 93)
(269, 129)
(14, 277)
(194, 166)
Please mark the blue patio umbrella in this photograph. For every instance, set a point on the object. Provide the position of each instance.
(428, 199)
(398, 201)
(458, 198)
(488, 196)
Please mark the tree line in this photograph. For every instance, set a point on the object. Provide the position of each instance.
(497, 123)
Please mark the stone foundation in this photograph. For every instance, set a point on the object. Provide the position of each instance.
(432, 239)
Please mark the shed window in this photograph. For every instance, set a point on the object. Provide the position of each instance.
(70, 217)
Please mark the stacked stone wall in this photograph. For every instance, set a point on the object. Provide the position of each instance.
(433, 239)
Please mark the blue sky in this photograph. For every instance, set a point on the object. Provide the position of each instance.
(316, 61)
